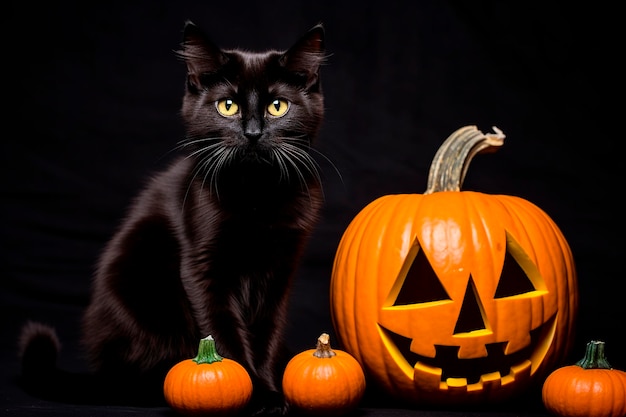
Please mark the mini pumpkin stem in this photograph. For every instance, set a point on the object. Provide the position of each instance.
(594, 357)
(449, 166)
(323, 349)
(207, 353)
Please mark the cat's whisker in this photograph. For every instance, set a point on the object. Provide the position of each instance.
(282, 166)
(189, 141)
(195, 172)
(305, 143)
(212, 165)
(203, 164)
(304, 158)
(328, 160)
(206, 149)
(222, 159)
(206, 168)
(307, 160)
(284, 155)
(184, 143)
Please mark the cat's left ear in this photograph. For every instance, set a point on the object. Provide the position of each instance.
(307, 55)
(201, 56)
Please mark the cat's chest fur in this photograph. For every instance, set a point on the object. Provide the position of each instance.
(250, 209)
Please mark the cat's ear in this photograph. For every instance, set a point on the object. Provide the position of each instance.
(307, 55)
(201, 56)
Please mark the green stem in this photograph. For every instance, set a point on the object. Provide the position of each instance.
(449, 166)
(207, 353)
(594, 357)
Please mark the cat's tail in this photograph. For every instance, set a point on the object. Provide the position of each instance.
(39, 348)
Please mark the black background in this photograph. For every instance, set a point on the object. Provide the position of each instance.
(90, 107)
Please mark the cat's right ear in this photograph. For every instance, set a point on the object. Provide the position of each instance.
(306, 56)
(201, 56)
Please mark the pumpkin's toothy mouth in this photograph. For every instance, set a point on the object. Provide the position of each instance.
(471, 370)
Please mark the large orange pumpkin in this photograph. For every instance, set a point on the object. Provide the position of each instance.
(454, 297)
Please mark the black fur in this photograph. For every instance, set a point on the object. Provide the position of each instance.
(210, 246)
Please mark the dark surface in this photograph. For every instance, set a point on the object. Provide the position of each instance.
(90, 109)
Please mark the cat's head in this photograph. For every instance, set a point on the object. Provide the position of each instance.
(252, 107)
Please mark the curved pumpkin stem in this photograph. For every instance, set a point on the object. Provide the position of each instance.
(594, 357)
(449, 166)
(207, 353)
(323, 349)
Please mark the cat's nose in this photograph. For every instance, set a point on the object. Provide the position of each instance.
(253, 136)
(252, 130)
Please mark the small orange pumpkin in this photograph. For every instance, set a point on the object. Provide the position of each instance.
(591, 387)
(207, 384)
(454, 297)
(323, 381)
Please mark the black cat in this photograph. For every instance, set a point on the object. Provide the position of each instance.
(210, 246)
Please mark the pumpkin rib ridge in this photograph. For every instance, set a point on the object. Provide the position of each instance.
(405, 204)
(546, 230)
(390, 212)
(362, 269)
(340, 302)
(473, 200)
(402, 207)
(517, 210)
(528, 220)
(571, 303)
(374, 236)
(543, 228)
(513, 210)
(348, 256)
(476, 204)
(517, 229)
(526, 210)
(346, 286)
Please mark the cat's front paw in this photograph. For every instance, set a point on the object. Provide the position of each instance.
(268, 403)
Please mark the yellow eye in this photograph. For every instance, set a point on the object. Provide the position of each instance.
(278, 108)
(227, 107)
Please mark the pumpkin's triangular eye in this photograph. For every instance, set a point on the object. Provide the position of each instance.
(421, 284)
(520, 276)
(513, 280)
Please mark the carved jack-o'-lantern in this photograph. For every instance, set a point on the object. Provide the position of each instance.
(454, 297)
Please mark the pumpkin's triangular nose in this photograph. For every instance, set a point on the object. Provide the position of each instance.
(471, 315)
